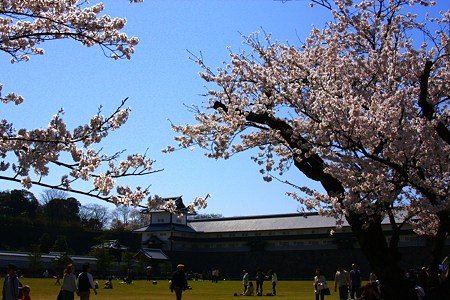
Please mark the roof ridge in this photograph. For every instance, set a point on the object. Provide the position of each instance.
(255, 217)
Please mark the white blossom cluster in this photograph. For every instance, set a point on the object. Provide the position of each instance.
(198, 203)
(36, 150)
(26, 24)
(360, 98)
(157, 203)
(26, 155)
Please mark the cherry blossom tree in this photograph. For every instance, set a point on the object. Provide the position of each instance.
(360, 107)
(94, 216)
(27, 155)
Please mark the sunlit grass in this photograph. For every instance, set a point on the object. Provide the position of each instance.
(45, 289)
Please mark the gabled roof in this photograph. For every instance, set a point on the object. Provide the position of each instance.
(265, 222)
(278, 222)
(153, 254)
(45, 257)
(164, 227)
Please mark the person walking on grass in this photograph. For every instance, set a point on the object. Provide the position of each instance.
(274, 278)
(319, 285)
(69, 285)
(342, 281)
(85, 283)
(245, 280)
(11, 284)
(259, 277)
(355, 283)
(178, 282)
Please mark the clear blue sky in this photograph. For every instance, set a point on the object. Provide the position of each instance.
(158, 80)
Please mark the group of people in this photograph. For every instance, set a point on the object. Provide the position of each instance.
(259, 278)
(347, 283)
(80, 285)
(12, 288)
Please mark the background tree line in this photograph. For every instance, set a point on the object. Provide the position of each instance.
(57, 222)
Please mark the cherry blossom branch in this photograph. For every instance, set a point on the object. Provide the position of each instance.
(63, 188)
(51, 20)
(37, 149)
(339, 123)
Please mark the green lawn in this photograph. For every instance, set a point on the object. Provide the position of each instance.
(45, 289)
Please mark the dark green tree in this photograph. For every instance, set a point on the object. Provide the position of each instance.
(104, 259)
(18, 203)
(94, 216)
(60, 263)
(45, 243)
(129, 260)
(61, 244)
(35, 260)
(59, 211)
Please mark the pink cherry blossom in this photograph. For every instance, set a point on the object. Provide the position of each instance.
(27, 154)
(352, 96)
(360, 107)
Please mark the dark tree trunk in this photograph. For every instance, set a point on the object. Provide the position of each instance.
(382, 258)
(436, 252)
(368, 231)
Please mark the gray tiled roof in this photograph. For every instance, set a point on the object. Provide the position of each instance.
(261, 223)
(154, 254)
(45, 257)
(164, 227)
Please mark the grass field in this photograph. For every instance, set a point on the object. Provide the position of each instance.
(45, 289)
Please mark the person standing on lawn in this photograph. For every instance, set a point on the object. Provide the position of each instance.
(319, 284)
(85, 283)
(178, 282)
(342, 281)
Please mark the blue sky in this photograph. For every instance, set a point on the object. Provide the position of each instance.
(159, 80)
